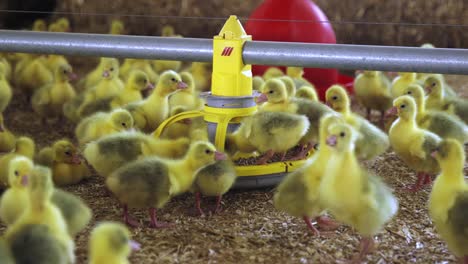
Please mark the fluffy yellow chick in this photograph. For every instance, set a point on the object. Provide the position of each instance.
(298, 193)
(41, 211)
(34, 75)
(110, 243)
(61, 25)
(101, 124)
(437, 99)
(435, 93)
(73, 209)
(296, 74)
(64, 161)
(167, 177)
(274, 98)
(307, 92)
(36, 243)
(257, 83)
(178, 129)
(52, 61)
(289, 84)
(109, 86)
(151, 112)
(271, 73)
(448, 201)
(39, 25)
(137, 82)
(49, 100)
(117, 27)
(24, 146)
(400, 83)
(5, 89)
(111, 152)
(372, 90)
(268, 133)
(371, 141)
(201, 72)
(412, 144)
(440, 123)
(7, 139)
(353, 195)
(214, 180)
(16, 198)
(137, 64)
(188, 97)
(7, 69)
(93, 77)
(70, 108)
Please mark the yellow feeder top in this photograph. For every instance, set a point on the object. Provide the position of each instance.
(231, 77)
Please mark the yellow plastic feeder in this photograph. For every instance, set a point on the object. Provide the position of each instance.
(231, 99)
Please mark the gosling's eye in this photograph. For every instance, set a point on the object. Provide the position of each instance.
(208, 151)
(174, 80)
(335, 97)
(409, 92)
(67, 153)
(111, 69)
(402, 106)
(342, 134)
(16, 173)
(145, 81)
(64, 71)
(124, 125)
(270, 92)
(433, 84)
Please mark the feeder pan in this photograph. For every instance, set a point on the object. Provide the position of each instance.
(231, 99)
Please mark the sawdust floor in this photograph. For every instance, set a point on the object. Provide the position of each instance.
(249, 229)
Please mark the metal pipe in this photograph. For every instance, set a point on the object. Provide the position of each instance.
(384, 58)
(363, 57)
(105, 45)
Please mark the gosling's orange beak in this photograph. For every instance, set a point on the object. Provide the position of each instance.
(72, 76)
(24, 180)
(181, 85)
(428, 89)
(262, 98)
(220, 155)
(76, 160)
(186, 121)
(391, 112)
(149, 87)
(332, 140)
(328, 104)
(105, 74)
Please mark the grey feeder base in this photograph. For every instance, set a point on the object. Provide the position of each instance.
(254, 182)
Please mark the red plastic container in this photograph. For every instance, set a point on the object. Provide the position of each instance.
(297, 21)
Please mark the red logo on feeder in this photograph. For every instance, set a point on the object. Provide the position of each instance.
(227, 51)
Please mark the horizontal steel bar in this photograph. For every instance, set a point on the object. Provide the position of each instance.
(341, 56)
(363, 57)
(105, 45)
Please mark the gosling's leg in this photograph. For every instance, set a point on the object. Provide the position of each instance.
(311, 226)
(154, 221)
(198, 203)
(129, 220)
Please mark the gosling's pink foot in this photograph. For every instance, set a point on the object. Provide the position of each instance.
(128, 219)
(326, 223)
(311, 226)
(366, 246)
(154, 223)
